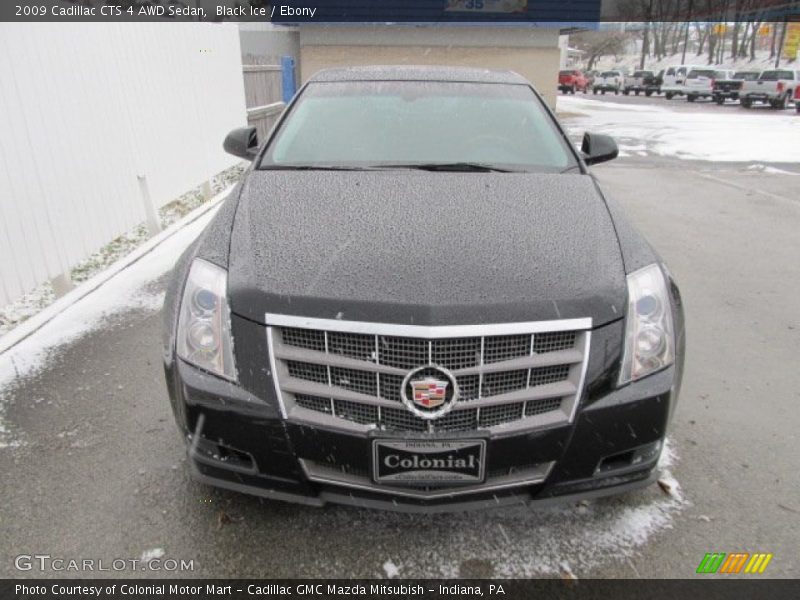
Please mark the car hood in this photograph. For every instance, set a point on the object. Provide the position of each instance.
(426, 248)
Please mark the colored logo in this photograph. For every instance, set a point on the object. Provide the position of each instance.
(734, 563)
(429, 392)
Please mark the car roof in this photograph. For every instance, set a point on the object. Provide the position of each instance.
(418, 73)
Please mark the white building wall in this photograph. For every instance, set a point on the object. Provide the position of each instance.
(84, 109)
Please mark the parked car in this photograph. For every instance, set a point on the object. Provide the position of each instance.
(699, 83)
(571, 81)
(608, 81)
(360, 323)
(674, 79)
(775, 87)
(641, 81)
(728, 89)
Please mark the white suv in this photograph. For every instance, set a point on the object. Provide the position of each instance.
(675, 78)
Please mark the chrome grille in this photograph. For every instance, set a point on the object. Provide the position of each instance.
(349, 374)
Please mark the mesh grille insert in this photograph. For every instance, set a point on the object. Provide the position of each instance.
(503, 382)
(362, 382)
(353, 345)
(304, 338)
(457, 353)
(357, 412)
(542, 375)
(404, 353)
(538, 407)
(506, 347)
(502, 413)
(314, 403)
(307, 371)
(553, 341)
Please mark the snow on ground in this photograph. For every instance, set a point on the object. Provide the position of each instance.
(737, 135)
(123, 292)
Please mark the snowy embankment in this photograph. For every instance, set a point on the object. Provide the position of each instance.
(736, 135)
(125, 290)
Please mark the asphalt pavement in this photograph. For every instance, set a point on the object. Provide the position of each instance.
(100, 473)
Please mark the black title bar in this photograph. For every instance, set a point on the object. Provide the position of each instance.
(399, 11)
(733, 588)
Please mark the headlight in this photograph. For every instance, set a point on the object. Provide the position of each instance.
(649, 335)
(204, 325)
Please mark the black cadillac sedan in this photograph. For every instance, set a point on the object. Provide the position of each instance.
(418, 298)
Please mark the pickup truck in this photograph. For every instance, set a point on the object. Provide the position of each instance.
(775, 87)
(729, 88)
(608, 81)
(641, 81)
(572, 80)
(700, 83)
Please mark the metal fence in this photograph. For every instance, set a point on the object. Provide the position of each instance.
(92, 117)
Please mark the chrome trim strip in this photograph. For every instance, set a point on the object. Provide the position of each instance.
(579, 392)
(274, 372)
(361, 483)
(423, 331)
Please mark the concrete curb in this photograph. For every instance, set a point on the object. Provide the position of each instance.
(47, 314)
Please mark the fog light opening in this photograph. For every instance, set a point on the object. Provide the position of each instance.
(640, 456)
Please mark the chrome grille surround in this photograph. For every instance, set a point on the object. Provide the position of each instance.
(347, 375)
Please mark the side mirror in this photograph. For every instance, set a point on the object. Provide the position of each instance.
(242, 142)
(597, 148)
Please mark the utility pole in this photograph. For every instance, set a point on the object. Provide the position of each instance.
(686, 33)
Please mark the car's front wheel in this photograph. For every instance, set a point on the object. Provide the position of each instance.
(691, 98)
(745, 103)
(669, 95)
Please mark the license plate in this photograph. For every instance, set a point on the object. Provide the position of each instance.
(428, 461)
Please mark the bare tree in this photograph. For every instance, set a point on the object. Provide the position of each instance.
(596, 44)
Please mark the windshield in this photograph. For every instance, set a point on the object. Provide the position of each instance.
(746, 76)
(395, 123)
(609, 74)
(566, 72)
(643, 74)
(698, 74)
(775, 75)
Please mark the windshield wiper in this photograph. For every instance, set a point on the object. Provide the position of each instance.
(316, 168)
(455, 166)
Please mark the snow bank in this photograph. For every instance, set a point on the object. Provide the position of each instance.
(733, 136)
(123, 292)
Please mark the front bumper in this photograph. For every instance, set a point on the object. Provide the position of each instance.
(238, 440)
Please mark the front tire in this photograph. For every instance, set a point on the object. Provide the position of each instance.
(719, 100)
(594, 91)
(691, 98)
(648, 93)
(669, 95)
(572, 90)
(745, 103)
